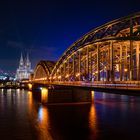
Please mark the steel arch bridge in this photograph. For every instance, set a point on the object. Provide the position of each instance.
(42, 71)
(109, 53)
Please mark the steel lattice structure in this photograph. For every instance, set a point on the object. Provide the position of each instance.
(110, 52)
(43, 70)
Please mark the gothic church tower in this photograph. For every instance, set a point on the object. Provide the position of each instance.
(24, 70)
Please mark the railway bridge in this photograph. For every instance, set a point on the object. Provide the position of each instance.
(107, 56)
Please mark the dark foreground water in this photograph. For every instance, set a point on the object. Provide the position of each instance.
(109, 117)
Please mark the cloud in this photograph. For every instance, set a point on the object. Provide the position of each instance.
(35, 50)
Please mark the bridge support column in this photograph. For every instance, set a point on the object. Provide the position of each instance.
(126, 64)
(87, 65)
(98, 63)
(68, 70)
(131, 52)
(73, 66)
(120, 66)
(90, 67)
(64, 70)
(79, 65)
(131, 61)
(108, 67)
(111, 62)
(137, 61)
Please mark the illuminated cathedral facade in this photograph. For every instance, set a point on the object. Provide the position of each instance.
(24, 70)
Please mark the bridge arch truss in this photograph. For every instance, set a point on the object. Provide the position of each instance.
(42, 71)
(110, 52)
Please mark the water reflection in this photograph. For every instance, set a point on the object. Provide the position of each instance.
(43, 123)
(39, 117)
(44, 95)
(110, 116)
(93, 122)
(63, 121)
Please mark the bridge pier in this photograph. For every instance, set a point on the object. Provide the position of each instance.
(61, 94)
(69, 95)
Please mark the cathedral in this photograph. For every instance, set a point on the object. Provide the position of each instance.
(24, 70)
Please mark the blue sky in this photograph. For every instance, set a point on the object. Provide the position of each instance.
(45, 29)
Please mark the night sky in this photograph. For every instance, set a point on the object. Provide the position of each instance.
(45, 29)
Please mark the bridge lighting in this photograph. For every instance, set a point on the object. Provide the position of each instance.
(30, 86)
(59, 77)
(92, 95)
(54, 77)
(44, 95)
(67, 76)
(117, 67)
(78, 74)
(44, 90)
(95, 72)
(125, 70)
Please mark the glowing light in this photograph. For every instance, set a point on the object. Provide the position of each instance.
(44, 95)
(54, 77)
(93, 121)
(43, 124)
(92, 95)
(117, 67)
(30, 86)
(67, 76)
(78, 74)
(30, 100)
(95, 72)
(125, 69)
(59, 77)
(40, 114)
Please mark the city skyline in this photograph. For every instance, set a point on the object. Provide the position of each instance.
(46, 29)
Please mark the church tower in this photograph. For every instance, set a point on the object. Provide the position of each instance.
(27, 63)
(21, 62)
(24, 70)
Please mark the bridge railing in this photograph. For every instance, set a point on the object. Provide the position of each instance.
(103, 84)
(98, 84)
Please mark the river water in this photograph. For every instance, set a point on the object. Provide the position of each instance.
(110, 116)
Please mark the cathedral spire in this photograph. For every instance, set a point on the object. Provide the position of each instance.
(21, 60)
(28, 63)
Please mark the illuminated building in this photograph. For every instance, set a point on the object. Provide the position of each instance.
(24, 70)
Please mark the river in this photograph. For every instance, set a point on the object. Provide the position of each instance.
(109, 116)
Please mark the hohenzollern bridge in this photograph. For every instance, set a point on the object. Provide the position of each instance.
(107, 55)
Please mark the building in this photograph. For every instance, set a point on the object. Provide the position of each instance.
(24, 70)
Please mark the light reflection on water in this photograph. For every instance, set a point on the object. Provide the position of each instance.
(109, 116)
(93, 122)
(43, 123)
